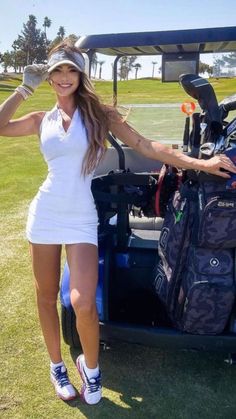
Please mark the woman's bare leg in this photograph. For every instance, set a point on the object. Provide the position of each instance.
(46, 268)
(83, 264)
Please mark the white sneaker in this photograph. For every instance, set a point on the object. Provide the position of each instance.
(61, 382)
(91, 391)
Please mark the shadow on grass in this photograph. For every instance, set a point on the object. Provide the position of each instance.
(5, 76)
(142, 382)
(7, 89)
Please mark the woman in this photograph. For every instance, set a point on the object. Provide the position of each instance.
(72, 140)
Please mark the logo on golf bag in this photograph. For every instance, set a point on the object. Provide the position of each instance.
(214, 262)
(224, 204)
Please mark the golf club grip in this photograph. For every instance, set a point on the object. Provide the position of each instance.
(231, 106)
(196, 131)
(186, 134)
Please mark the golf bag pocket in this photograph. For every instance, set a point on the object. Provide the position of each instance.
(172, 245)
(217, 219)
(207, 292)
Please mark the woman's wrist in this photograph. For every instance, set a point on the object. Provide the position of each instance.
(199, 164)
(24, 91)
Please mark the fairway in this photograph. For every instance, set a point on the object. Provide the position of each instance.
(164, 123)
(139, 382)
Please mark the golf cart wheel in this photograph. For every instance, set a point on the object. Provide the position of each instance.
(69, 331)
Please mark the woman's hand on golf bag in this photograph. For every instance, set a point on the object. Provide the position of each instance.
(218, 165)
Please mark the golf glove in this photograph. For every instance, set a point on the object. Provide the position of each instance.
(34, 75)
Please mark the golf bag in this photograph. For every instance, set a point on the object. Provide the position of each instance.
(195, 276)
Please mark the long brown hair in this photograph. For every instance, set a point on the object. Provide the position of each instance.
(95, 115)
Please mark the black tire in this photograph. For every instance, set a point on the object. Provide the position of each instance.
(69, 331)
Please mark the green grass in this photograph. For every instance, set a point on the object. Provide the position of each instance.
(154, 91)
(139, 382)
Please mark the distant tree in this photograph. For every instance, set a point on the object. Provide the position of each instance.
(100, 68)
(205, 68)
(59, 38)
(153, 67)
(131, 61)
(123, 69)
(46, 24)
(230, 59)
(32, 42)
(126, 65)
(61, 32)
(218, 66)
(19, 57)
(42, 49)
(7, 60)
(94, 64)
(230, 63)
(137, 67)
(19, 60)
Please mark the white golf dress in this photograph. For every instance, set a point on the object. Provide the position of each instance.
(63, 211)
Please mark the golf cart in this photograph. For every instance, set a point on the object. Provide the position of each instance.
(132, 194)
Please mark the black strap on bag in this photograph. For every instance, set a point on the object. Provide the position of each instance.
(134, 191)
(117, 193)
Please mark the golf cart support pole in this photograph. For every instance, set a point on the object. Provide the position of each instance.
(90, 53)
(115, 79)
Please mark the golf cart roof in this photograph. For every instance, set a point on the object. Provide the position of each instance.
(206, 40)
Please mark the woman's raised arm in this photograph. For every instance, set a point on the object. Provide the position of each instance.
(29, 124)
(26, 125)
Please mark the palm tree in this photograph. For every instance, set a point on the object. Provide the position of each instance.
(153, 67)
(94, 64)
(100, 68)
(61, 32)
(137, 67)
(46, 24)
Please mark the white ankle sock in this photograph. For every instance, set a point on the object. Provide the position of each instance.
(54, 366)
(90, 372)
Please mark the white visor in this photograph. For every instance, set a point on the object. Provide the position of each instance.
(63, 57)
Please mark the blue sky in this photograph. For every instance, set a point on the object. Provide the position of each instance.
(109, 16)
